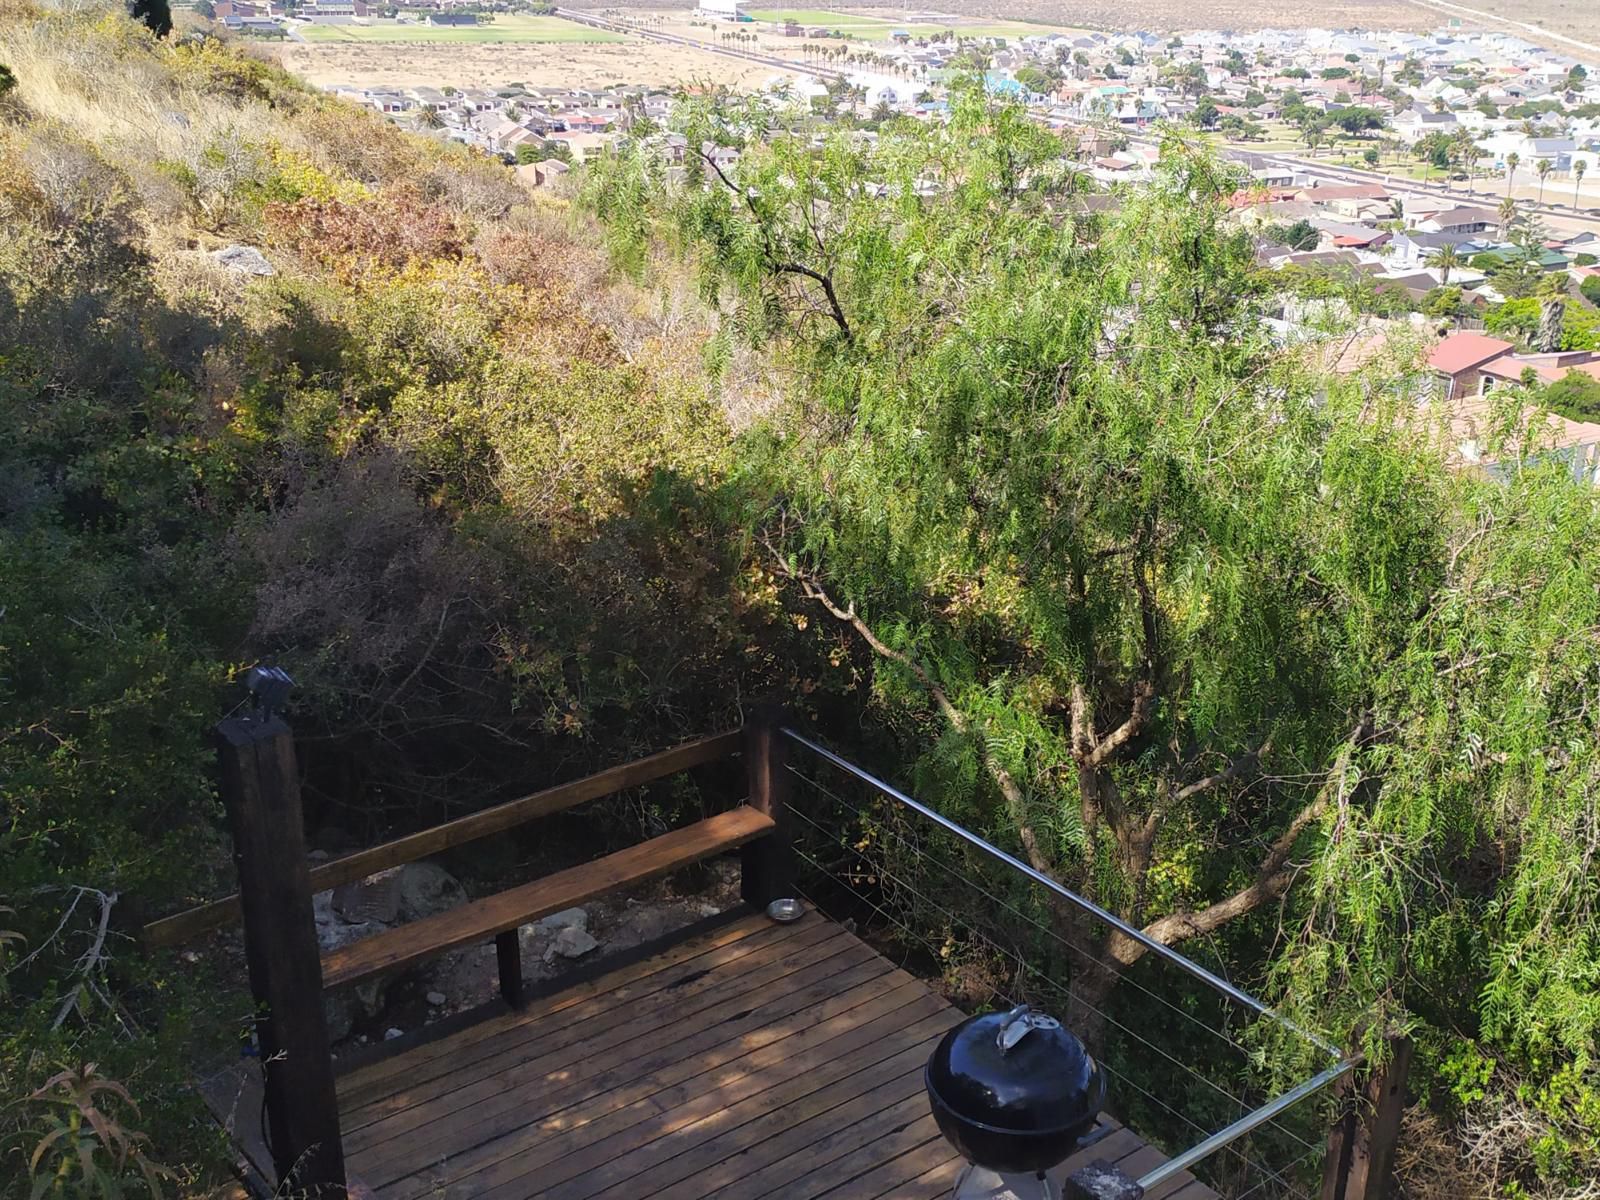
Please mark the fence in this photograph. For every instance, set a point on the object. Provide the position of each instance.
(1186, 1053)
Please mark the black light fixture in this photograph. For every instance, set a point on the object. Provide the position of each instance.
(1014, 1093)
(269, 689)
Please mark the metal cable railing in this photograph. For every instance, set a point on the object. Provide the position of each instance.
(1185, 1064)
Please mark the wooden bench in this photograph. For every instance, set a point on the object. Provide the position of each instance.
(500, 915)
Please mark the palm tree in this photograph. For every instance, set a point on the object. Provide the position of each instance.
(1513, 161)
(1542, 168)
(1578, 169)
(1508, 214)
(1447, 259)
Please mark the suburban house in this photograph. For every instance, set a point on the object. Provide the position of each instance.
(1472, 364)
(1459, 361)
(1460, 220)
(1416, 123)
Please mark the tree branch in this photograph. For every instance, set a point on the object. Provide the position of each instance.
(1273, 876)
(1010, 791)
(777, 265)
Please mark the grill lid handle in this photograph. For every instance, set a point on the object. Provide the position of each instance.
(1019, 1023)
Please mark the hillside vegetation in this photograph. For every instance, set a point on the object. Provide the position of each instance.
(1018, 501)
(438, 464)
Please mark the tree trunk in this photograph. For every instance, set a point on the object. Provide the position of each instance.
(1552, 314)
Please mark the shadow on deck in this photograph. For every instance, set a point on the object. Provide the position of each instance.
(752, 1060)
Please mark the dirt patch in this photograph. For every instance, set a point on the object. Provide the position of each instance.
(331, 64)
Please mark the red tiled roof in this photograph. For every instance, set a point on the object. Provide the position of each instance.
(1346, 191)
(1463, 351)
(1511, 368)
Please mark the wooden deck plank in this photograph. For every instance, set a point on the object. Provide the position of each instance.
(874, 1047)
(634, 1138)
(563, 1046)
(752, 1061)
(614, 1081)
(734, 1025)
(788, 1154)
(689, 1167)
(479, 920)
(722, 945)
(561, 1025)
(905, 1160)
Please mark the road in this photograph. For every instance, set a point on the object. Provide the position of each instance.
(1587, 217)
(1489, 18)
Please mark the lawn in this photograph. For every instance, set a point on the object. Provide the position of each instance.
(814, 16)
(879, 30)
(506, 27)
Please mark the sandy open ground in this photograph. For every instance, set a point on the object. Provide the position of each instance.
(576, 64)
(363, 56)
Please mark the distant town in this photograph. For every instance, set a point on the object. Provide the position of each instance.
(1431, 181)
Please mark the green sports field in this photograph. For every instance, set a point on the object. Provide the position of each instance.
(878, 29)
(506, 27)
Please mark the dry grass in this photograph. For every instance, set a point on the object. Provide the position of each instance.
(330, 64)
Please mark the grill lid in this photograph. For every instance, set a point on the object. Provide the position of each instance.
(1018, 1071)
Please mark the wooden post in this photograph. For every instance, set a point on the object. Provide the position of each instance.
(261, 788)
(768, 862)
(1360, 1159)
(508, 953)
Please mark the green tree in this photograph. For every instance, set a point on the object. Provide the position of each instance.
(1301, 235)
(1575, 396)
(1447, 259)
(155, 14)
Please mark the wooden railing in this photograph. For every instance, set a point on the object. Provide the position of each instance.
(288, 973)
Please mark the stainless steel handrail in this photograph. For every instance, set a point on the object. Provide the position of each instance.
(1251, 1120)
(1158, 948)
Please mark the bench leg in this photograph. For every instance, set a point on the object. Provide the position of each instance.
(508, 950)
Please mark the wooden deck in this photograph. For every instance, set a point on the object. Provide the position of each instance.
(755, 1060)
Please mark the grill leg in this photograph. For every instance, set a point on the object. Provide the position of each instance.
(508, 952)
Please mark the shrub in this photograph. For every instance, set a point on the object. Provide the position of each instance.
(1575, 396)
(1590, 289)
(390, 230)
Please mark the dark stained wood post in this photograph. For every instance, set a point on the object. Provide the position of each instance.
(508, 955)
(767, 862)
(1360, 1159)
(261, 788)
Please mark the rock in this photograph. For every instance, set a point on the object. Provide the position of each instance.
(375, 898)
(333, 930)
(427, 891)
(389, 1035)
(318, 855)
(340, 1017)
(567, 918)
(247, 260)
(435, 998)
(571, 942)
(645, 924)
(369, 996)
(709, 910)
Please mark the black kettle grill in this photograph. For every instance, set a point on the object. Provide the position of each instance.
(1014, 1093)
